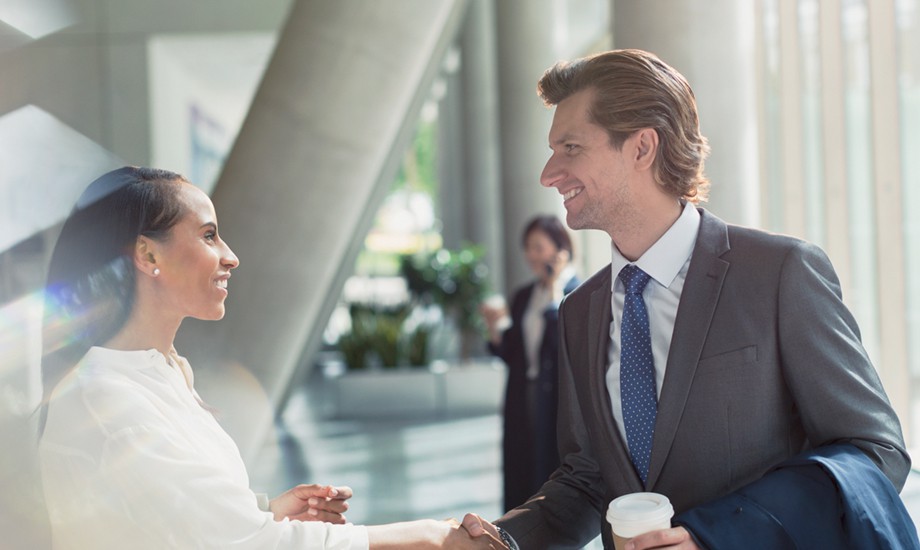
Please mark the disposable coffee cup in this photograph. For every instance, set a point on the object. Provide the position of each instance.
(497, 302)
(638, 513)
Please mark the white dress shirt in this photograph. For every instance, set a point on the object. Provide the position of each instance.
(130, 459)
(666, 262)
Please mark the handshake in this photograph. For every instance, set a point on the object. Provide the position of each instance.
(639, 521)
(329, 504)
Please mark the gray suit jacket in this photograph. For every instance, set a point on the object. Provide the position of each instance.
(765, 362)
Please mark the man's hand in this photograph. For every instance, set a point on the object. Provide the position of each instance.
(478, 527)
(676, 538)
(312, 503)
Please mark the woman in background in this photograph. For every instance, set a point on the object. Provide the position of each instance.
(527, 340)
(130, 455)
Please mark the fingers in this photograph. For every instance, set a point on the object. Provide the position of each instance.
(305, 491)
(478, 527)
(329, 510)
(316, 514)
(314, 503)
(473, 525)
(339, 493)
(460, 537)
(675, 538)
(336, 506)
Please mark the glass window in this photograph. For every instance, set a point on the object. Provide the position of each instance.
(810, 64)
(908, 24)
(772, 194)
(861, 199)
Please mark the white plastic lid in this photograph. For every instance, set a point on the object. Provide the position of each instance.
(638, 511)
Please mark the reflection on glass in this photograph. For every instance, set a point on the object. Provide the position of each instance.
(44, 166)
(199, 97)
(38, 18)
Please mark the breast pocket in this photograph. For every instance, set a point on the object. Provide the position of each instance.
(729, 359)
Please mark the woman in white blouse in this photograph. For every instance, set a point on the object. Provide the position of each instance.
(130, 456)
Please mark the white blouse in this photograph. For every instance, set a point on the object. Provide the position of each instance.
(130, 459)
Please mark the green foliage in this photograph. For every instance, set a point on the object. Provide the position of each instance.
(453, 280)
(419, 169)
(388, 340)
(375, 331)
(457, 281)
(417, 351)
(356, 343)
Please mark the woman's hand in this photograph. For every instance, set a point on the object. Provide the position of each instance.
(494, 312)
(428, 534)
(312, 503)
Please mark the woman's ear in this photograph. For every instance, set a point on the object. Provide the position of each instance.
(145, 256)
(563, 255)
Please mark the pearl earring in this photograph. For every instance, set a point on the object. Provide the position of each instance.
(156, 271)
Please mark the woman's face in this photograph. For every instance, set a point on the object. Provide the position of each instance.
(194, 262)
(539, 251)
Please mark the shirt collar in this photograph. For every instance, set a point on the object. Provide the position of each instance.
(664, 260)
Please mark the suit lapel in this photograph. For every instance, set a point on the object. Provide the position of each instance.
(694, 315)
(599, 318)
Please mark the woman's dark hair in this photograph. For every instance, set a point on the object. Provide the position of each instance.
(91, 278)
(553, 228)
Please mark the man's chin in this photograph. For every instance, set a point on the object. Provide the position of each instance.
(577, 222)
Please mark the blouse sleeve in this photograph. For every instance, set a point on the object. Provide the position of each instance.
(177, 500)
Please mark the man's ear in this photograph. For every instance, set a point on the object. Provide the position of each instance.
(145, 256)
(646, 148)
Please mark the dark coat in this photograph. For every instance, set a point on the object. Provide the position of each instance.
(529, 447)
(831, 497)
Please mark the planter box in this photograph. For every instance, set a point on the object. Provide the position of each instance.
(440, 390)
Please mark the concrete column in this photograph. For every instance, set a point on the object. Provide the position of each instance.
(532, 36)
(526, 48)
(323, 139)
(481, 140)
(712, 45)
(454, 193)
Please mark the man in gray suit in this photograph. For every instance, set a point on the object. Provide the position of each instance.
(753, 356)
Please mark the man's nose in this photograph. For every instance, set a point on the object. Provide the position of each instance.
(552, 172)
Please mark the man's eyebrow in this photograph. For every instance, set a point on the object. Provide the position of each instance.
(568, 136)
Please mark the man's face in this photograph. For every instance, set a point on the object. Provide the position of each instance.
(591, 175)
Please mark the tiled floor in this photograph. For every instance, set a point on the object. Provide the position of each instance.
(402, 467)
(399, 467)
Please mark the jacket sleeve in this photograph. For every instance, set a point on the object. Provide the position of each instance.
(566, 512)
(836, 388)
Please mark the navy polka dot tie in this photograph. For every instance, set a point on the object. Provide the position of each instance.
(637, 372)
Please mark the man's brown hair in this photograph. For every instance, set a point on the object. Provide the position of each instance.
(633, 89)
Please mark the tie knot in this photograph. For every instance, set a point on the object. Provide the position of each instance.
(634, 279)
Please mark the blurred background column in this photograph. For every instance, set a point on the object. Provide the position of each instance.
(713, 45)
(532, 36)
(468, 141)
(527, 46)
(317, 153)
(481, 138)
